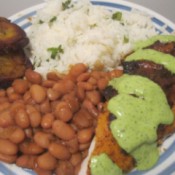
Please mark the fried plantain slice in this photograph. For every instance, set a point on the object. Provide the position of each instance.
(12, 37)
(12, 66)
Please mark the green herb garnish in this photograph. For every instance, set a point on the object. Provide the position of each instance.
(93, 26)
(55, 51)
(117, 16)
(53, 19)
(66, 5)
(125, 39)
(41, 21)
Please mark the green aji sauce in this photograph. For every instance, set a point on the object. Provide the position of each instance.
(140, 107)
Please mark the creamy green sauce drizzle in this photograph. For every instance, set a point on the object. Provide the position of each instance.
(140, 107)
(152, 40)
(103, 165)
(168, 61)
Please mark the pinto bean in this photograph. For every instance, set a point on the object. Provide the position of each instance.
(6, 119)
(102, 83)
(94, 96)
(45, 107)
(76, 159)
(46, 161)
(40, 171)
(59, 151)
(85, 135)
(2, 93)
(33, 76)
(72, 145)
(72, 101)
(80, 93)
(7, 147)
(4, 106)
(63, 130)
(90, 107)
(14, 97)
(26, 161)
(38, 93)
(20, 86)
(53, 94)
(8, 158)
(78, 69)
(83, 77)
(65, 168)
(17, 136)
(22, 118)
(6, 132)
(63, 111)
(82, 119)
(47, 120)
(48, 83)
(53, 76)
(31, 148)
(86, 86)
(64, 86)
(42, 139)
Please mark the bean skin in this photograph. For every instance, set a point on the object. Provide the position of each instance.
(26, 161)
(17, 136)
(4, 106)
(46, 161)
(31, 148)
(94, 96)
(59, 127)
(42, 139)
(83, 77)
(82, 119)
(73, 145)
(85, 135)
(76, 159)
(65, 168)
(77, 69)
(102, 83)
(38, 93)
(7, 147)
(45, 107)
(40, 171)
(47, 120)
(20, 86)
(6, 119)
(53, 76)
(22, 118)
(63, 112)
(8, 158)
(59, 151)
(33, 76)
(53, 94)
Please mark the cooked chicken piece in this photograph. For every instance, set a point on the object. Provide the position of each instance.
(106, 143)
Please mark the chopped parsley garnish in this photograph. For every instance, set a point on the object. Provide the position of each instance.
(66, 5)
(93, 26)
(41, 21)
(55, 51)
(125, 39)
(53, 19)
(117, 16)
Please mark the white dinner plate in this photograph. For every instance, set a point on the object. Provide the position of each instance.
(166, 163)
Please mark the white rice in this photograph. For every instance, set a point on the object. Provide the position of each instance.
(86, 33)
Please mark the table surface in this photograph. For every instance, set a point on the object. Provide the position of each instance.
(165, 8)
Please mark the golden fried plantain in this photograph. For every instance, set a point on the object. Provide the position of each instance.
(12, 37)
(12, 66)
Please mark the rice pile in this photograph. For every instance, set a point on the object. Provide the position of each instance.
(64, 33)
